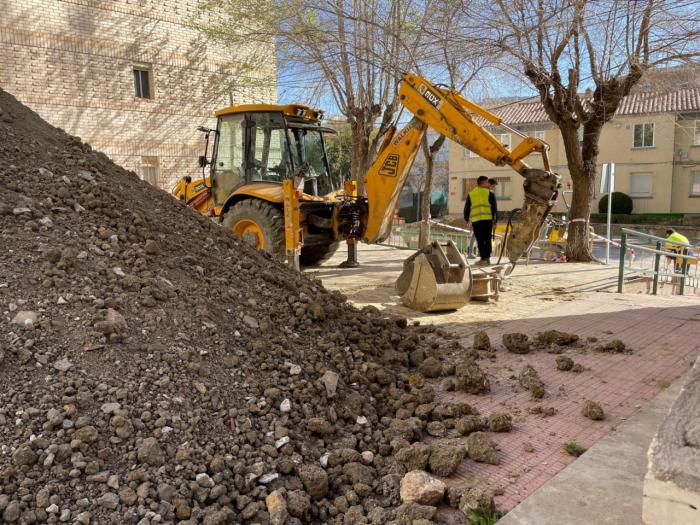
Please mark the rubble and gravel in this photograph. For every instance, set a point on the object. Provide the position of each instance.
(155, 369)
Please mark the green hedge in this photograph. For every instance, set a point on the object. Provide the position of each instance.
(622, 204)
(619, 218)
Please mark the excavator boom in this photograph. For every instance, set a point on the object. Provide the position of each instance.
(450, 114)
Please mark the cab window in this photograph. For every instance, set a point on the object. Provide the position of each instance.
(268, 148)
(228, 170)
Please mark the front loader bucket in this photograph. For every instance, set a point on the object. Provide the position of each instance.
(435, 278)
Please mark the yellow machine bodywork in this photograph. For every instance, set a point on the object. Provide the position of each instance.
(340, 214)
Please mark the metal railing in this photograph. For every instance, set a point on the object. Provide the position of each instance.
(641, 255)
(406, 235)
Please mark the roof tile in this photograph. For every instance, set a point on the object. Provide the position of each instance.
(531, 111)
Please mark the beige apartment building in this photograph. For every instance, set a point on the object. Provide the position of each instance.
(134, 78)
(654, 140)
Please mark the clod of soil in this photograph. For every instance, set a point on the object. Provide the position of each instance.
(500, 422)
(543, 411)
(528, 447)
(555, 337)
(471, 378)
(430, 367)
(468, 424)
(516, 343)
(480, 448)
(445, 459)
(613, 347)
(578, 368)
(481, 341)
(564, 363)
(477, 503)
(158, 365)
(592, 410)
(414, 456)
(530, 380)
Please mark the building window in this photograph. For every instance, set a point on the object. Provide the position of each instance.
(504, 138)
(696, 135)
(538, 135)
(142, 82)
(644, 135)
(695, 184)
(502, 190)
(149, 170)
(471, 154)
(640, 185)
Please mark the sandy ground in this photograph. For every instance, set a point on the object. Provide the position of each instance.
(533, 287)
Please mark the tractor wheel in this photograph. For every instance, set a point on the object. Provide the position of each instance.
(315, 255)
(258, 223)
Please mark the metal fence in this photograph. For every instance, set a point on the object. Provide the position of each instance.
(657, 262)
(406, 235)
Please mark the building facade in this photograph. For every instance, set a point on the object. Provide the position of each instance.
(134, 78)
(654, 141)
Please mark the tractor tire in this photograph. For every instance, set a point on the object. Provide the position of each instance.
(315, 255)
(258, 223)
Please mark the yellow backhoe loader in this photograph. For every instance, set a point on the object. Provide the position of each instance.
(269, 180)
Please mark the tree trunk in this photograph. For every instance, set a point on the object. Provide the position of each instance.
(360, 151)
(424, 237)
(583, 178)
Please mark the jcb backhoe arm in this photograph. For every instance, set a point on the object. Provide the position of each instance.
(448, 113)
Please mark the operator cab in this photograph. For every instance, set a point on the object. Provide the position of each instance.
(268, 144)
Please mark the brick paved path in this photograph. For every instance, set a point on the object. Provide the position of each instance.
(664, 334)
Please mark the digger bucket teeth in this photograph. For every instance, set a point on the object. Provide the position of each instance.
(435, 278)
(541, 190)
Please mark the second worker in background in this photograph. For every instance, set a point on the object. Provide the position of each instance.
(480, 210)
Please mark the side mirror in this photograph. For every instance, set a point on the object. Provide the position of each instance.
(202, 161)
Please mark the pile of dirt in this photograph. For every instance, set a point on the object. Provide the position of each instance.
(154, 369)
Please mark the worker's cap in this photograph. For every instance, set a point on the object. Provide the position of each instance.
(670, 231)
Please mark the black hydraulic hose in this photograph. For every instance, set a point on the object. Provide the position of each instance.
(509, 226)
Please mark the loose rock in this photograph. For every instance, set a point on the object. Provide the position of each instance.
(592, 410)
(530, 380)
(516, 343)
(481, 449)
(420, 487)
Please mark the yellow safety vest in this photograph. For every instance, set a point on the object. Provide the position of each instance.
(675, 237)
(481, 209)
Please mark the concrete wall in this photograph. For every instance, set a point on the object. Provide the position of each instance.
(670, 180)
(72, 61)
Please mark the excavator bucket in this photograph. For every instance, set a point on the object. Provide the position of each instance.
(435, 278)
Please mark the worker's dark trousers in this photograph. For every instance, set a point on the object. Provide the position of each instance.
(482, 231)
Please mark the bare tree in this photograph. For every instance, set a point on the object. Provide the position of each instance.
(451, 52)
(563, 46)
(351, 51)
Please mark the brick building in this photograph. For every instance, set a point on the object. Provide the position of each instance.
(654, 140)
(133, 78)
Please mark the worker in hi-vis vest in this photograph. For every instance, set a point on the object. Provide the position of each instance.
(480, 210)
(673, 235)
